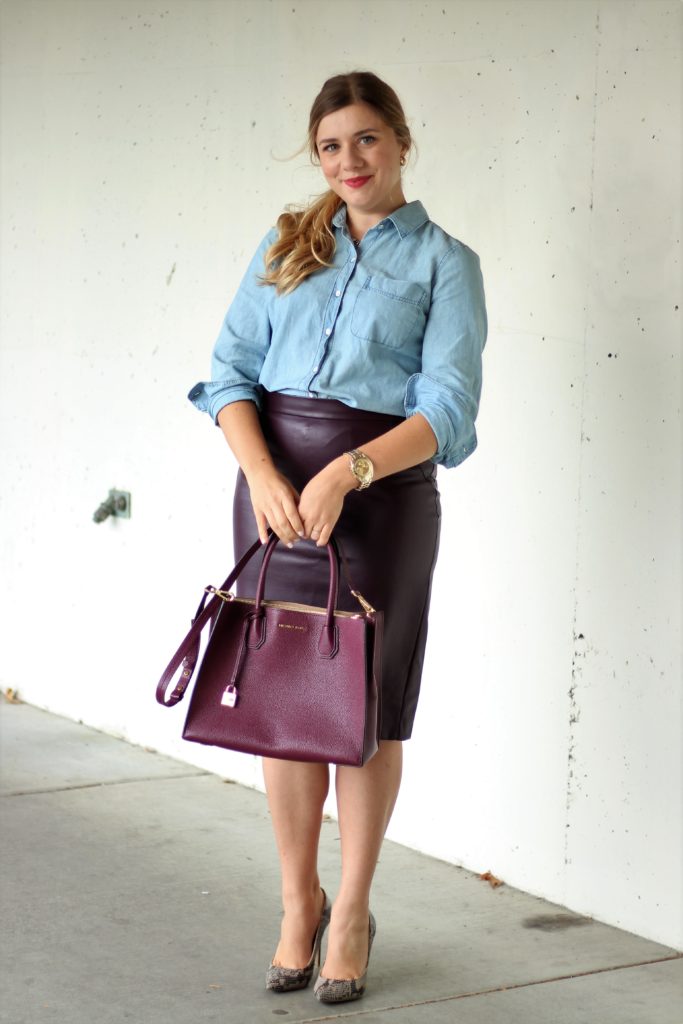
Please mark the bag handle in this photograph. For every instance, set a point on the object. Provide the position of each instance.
(328, 643)
(188, 652)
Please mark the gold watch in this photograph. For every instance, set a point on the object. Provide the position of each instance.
(361, 467)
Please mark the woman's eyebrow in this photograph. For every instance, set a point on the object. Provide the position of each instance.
(364, 131)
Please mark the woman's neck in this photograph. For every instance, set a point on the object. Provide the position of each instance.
(358, 223)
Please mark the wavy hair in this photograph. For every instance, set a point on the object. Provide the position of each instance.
(306, 240)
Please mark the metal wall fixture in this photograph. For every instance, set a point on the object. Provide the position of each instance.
(117, 504)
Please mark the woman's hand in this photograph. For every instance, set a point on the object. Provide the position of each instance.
(273, 498)
(322, 500)
(275, 501)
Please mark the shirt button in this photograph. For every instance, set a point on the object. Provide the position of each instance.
(328, 331)
(315, 369)
(381, 227)
(337, 293)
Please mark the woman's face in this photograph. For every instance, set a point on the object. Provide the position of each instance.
(361, 159)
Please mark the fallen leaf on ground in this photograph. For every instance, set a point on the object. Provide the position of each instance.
(491, 879)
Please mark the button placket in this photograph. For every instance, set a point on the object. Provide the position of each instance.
(332, 319)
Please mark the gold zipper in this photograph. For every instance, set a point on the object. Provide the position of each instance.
(228, 596)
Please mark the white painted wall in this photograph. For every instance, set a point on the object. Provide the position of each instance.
(138, 173)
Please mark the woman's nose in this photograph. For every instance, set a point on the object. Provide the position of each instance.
(351, 159)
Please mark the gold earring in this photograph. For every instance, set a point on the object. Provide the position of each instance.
(403, 161)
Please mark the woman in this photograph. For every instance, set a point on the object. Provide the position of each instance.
(347, 367)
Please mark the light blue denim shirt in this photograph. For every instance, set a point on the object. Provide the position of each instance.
(396, 326)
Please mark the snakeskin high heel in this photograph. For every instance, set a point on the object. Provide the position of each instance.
(333, 990)
(287, 979)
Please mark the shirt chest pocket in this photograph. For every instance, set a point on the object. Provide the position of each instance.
(389, 312)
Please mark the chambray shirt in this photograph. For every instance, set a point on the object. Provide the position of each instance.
(396, 326)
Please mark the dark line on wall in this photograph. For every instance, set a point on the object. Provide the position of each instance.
(578, 638)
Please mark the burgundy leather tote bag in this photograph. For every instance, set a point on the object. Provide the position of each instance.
(282, 679)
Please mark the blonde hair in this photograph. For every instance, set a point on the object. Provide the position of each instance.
(306, 240)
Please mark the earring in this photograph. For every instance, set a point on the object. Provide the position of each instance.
(403, 161)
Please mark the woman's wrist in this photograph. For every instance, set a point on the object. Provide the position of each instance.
(258, 468)
(339, 472)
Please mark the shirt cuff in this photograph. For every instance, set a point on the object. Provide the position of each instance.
(444, 410)
(212, 396)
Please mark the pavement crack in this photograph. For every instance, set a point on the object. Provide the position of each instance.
(106, 782)
(488, 991)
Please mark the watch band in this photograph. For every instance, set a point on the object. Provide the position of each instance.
(362, 468)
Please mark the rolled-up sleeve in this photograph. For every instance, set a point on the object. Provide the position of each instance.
(242, 343)
(448, 388)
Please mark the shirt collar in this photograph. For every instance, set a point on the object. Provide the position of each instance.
(406, 219)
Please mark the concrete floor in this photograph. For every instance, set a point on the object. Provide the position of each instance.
(137, 888)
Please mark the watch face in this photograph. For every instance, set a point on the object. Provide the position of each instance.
(363, 467)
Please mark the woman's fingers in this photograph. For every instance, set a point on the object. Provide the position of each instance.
(324, 536)
(321, 534)
(290, 515)
(271, 516)
(286, 520)
(319, 520)
(261, 526)
(275, 502)
(292, 512)
(282, 526)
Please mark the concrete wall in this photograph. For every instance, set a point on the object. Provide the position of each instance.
(139, 144)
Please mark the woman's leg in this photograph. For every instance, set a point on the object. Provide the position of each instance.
(365, 801)
(296, 794)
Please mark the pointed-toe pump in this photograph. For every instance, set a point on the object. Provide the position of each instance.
(344, 990)
(287, 979)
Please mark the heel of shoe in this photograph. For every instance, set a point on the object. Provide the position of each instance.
(289, 979)
(345, 990)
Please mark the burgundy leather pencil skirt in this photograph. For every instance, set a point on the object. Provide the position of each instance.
(389, 533)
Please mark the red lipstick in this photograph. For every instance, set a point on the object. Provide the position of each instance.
(357, 182)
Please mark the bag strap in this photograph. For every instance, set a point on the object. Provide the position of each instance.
(188, 652)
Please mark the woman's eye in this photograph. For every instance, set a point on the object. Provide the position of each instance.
(368, 138)
(330, 147)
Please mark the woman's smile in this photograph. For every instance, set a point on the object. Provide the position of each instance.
(357, 182)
